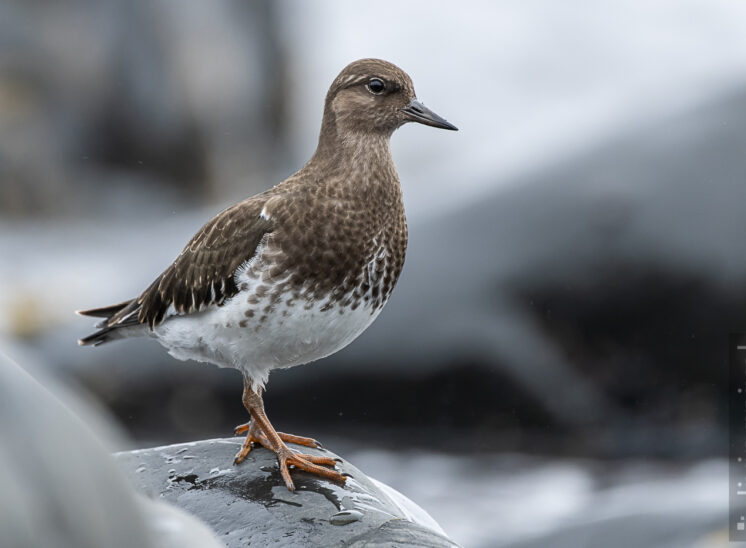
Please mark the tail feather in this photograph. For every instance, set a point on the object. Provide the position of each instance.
(105, 311)
(99, 337)
(110, 327)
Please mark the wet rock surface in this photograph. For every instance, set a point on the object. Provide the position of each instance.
(248, 504)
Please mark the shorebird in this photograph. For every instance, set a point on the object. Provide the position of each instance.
(295, 273)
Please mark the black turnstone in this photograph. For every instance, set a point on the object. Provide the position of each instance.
(297, 272)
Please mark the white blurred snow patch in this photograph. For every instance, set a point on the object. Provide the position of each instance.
(653, 490)
(474, 501)
(497, 500)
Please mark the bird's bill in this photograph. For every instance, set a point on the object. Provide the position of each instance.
(417, 112)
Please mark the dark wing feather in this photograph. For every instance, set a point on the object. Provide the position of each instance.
(203, 273)
(105, 311)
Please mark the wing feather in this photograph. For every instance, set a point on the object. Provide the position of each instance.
(203, 273)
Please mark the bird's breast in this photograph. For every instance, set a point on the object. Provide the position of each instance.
(351, 254)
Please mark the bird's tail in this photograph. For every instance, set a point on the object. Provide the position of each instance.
(105, 311)
(110, 326)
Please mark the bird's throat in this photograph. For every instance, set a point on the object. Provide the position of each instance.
(341, 149)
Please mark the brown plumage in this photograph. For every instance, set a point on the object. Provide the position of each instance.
(259, 285)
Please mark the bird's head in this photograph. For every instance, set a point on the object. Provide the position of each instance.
(375, 96)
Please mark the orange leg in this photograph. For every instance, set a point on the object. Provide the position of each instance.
(260, 430)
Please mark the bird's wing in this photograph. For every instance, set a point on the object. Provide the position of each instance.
(203, 273)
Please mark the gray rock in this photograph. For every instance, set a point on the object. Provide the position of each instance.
(171, 527)
(60, 488)
(248, 504)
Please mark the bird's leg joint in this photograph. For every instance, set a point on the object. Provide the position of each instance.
(252, 399)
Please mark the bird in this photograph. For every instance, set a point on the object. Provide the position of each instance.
(297, 272)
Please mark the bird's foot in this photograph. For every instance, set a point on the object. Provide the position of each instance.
(286, 457)
(253, 435)
(287, 438)
(312, 464)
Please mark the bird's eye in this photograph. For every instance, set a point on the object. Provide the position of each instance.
(376, 86)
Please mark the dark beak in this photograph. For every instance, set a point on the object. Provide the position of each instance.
(417, 112)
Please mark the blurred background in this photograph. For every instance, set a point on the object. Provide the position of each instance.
(553, 363)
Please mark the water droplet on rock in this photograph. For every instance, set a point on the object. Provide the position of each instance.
(345, 516)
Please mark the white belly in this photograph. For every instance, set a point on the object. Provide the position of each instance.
(285, 336)
(268, 326)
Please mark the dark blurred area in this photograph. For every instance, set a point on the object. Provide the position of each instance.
(100, 99)
(574, 266)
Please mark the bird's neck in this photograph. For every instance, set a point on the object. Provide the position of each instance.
(352, 154)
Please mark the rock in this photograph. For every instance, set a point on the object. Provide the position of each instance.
(60, 488)
(171, 527)
(248, 504)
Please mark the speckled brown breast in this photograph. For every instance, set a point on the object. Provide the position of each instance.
(340, 245)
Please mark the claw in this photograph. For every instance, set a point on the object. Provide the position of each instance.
(243, 452)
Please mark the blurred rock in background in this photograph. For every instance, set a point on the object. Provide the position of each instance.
(100, 103)
(60, 485)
